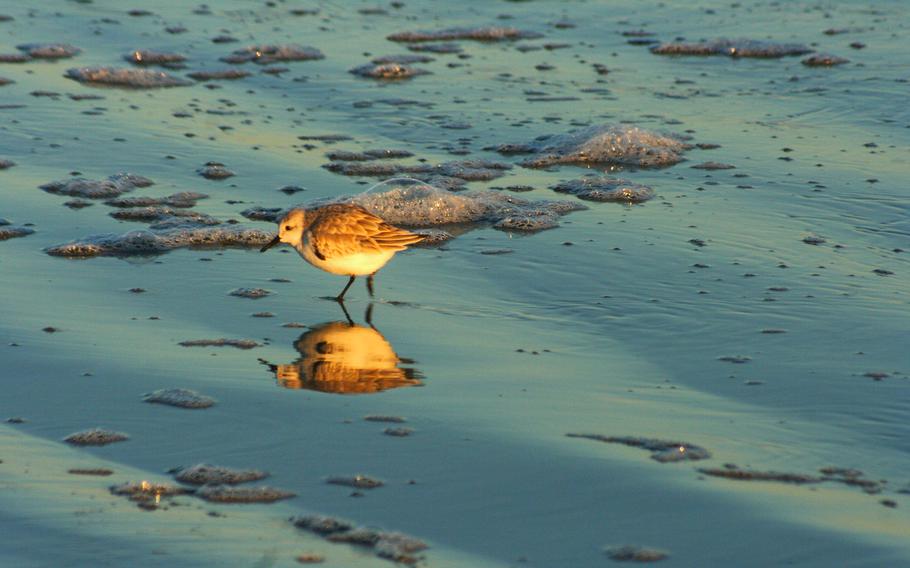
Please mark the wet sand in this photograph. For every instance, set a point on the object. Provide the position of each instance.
(648, 320)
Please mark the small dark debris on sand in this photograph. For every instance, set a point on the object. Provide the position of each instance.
(393, 546)
(222, 342)
(181, 398)
(6, 164)
(356, 481)
(229, 494)
(630, 553)
(736, 359)
(100, 472)
(664, 451)
(207, 474)
(310, 558)
(95, 437)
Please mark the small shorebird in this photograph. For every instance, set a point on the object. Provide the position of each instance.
(343, 238)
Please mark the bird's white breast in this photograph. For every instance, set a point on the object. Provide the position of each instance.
(359, 264)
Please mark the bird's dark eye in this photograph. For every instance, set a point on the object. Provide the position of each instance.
(287, 227)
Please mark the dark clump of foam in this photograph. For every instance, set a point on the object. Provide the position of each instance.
(161, 213)
(238, 343)
(733, 48)
(183, 200)
(606, 189)
(384, 418)
(128, 78)
(220, 74)
(398, 432)
(7, 232)
(215, 170)
(251, 293)
(402, 58)
(466, 170)
(148, 57)
(346, 156)
(181, 398)
(95, 437)
(265, 54)
(6, 164)
(663, 451)
(393, 546)
(49, 50)
(162, 238)
(147, 491)
(492, 33)
(602, 144)
(440, 48)
(229, 494)
(97, 471)
(422, 205)
(388, 71)
(753, 475)
(824, 60)
(357, 481)
(629, 553)
(207, 474)
(113, 186)
(713, 166)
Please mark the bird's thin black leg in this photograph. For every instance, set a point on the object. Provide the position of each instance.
(370, 284)
(346, 314)
(368, 316)
(340, 297)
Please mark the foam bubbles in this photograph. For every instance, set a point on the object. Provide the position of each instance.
(14, 232)
(230, 494)
(265, 54)
(491, 33)
(663, 451)
(207, 474)
(606, 189)
(128, 78)
(49, 50)
(181, 398)
(158, 241)
(95, 437)
(733, 48)
(388, 71)
(113, 186)
(609, 144)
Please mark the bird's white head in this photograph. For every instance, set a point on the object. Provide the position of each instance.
(290, 229)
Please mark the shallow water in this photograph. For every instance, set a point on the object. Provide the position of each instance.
(702, 315)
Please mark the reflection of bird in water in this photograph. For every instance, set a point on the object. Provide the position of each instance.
(345, 358)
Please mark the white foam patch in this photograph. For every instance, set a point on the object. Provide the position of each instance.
(157, 242)
(603, 144)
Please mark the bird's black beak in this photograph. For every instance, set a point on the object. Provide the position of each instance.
(271, 243)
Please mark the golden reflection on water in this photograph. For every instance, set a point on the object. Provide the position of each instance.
(342, 357)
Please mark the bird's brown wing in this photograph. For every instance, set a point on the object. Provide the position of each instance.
(342, 230)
